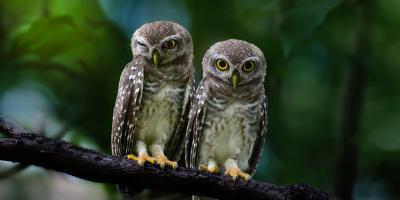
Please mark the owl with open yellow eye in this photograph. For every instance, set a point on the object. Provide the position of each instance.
(228, 116)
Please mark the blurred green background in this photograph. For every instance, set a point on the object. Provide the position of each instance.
(332, 81)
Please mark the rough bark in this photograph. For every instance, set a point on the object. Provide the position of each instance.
(27, 148)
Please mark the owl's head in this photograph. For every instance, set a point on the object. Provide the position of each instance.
(236, 63)
(161, 42)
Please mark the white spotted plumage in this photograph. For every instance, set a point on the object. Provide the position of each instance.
(153, 98)
(121, 118)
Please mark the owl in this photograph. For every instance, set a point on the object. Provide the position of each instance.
(228, 116)
(153, 97)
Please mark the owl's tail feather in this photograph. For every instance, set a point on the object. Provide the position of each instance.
(128, 192)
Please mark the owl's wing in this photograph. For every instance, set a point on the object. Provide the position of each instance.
(175, 147)
(260, 140)
(126, 108)
(195, 125)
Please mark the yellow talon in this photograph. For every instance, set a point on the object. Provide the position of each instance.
(163, 161)
(132, 157)
(203, 168)
(213, 169)
(235, 172)
(143, 158)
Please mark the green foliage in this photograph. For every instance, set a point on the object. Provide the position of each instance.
(80, 56)
(301, 18)
(45, 43)
(71, 54)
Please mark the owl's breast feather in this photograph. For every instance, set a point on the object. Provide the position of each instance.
(229, 133)
(159, 114)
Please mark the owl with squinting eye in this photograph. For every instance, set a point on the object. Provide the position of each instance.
(228, 117)
(154, 93)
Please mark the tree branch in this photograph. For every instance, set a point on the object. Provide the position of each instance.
(24, 147)
(21, 167)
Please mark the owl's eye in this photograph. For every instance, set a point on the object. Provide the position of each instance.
(141, 44)
(248, 66)
(222, 65)
(170, 44)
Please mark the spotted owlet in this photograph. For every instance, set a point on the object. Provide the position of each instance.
(153, 95)
(228, 116)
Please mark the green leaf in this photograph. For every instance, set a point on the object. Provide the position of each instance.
(301, 19)
(49, 37)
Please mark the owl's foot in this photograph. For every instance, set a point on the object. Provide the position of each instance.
(163, 161)
(235, 172)
(143, 158)
(211, 168)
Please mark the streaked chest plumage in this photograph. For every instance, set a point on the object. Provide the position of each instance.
(229, 131)
(159, 112)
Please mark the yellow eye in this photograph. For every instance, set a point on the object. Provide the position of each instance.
(248, 66)
(222, 65)
(170, 44)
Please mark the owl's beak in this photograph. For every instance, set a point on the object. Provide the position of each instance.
(235, 78)
(156, 57)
